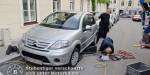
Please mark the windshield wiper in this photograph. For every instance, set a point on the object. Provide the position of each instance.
(44, 24)
(62, 27)
(54, 26)
(48, 25)
(65, 27)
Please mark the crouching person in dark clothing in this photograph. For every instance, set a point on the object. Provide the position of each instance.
(106, 47)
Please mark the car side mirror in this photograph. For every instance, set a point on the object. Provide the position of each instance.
(88, 27)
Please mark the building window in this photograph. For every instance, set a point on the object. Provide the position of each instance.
(88, 6)
(111, 2)
(29, 11)
(130, 2)
(114, 1)
(81, 7)
(56, 5)
(72, 4)
(122, 3)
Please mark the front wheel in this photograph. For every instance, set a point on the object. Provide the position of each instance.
(74, 58)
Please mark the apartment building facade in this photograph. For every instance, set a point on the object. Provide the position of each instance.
(21, 15)
(130, 7)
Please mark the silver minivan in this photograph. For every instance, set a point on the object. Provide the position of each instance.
(59, 38)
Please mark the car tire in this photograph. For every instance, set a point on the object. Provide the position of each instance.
(74, 58)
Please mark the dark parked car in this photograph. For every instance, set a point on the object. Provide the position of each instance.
(126, 16)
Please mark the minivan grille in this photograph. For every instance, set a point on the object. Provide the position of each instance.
(37, 44)
(38, 57)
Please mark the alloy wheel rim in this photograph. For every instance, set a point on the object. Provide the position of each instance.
(74, 59)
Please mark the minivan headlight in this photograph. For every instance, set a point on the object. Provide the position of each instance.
(23, 39)
(60, 44)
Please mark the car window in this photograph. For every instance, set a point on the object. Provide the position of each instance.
(86, 21)
(62, 20)
(92, 19)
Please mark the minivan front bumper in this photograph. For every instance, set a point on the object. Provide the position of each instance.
(48, 58)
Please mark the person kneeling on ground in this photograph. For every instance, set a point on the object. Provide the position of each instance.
(106, 47)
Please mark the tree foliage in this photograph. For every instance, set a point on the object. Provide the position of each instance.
(100, 1)
(93, 5)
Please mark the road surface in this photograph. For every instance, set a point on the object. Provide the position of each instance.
(125, 33)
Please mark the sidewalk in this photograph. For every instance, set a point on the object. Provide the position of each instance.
(3, 56)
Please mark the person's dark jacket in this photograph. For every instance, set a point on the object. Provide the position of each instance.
(104, 19)
(147, 30)
(107, 42)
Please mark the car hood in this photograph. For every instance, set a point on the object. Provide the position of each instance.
(47, 33)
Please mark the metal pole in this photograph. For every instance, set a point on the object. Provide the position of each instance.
(132, 7)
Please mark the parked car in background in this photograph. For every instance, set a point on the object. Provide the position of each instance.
(126, 16)
(136, 18)
(111, 19)
(115, 17)
(121, 14)
(59, 38)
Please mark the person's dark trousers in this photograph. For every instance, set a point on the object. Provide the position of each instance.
(104, 30)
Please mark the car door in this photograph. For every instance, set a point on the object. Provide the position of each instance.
(94, 26)
(88, 33)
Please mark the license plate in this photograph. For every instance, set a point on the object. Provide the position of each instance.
(33, 60)
(137, 19)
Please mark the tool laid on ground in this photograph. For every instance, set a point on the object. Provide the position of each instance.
(115, 58)
(105, 57)
(142, 46)
(99, 65)
(137, 45)
(125, 54)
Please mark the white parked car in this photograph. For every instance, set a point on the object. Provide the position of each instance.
(115, 17)
(111, 19)
(59, 39)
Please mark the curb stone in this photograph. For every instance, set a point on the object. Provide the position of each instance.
(9, 57)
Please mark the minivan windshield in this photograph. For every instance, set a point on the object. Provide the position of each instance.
(62, 20)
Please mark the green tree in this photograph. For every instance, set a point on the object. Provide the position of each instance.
(100, 1)
(93, 5)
